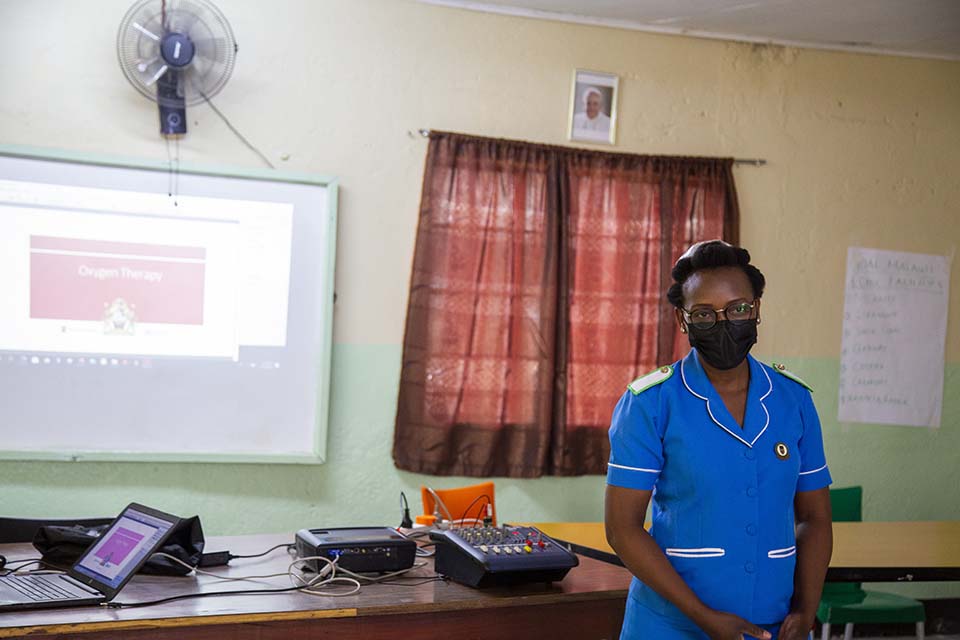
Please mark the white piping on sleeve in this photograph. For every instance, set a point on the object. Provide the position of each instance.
(620, 466)
(782, 553)
(804, 473)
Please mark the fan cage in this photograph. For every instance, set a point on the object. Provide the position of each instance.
(207, 28)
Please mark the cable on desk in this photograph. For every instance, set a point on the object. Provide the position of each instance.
(305, 586)
(423, 552)
(288, 545)
(216, 576)
(13, 566)
(320, 580)
(419, 532)
(185, 596)
(382, 577)
(415, 534)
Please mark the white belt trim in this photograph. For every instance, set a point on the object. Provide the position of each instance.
(803, 473)
(705, 552)
(782, 553)
(620, 466)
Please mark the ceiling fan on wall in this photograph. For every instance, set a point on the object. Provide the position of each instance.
(177, 53)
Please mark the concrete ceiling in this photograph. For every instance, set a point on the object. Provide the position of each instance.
(914, 28)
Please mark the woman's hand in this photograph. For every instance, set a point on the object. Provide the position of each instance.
(796, 626)
(726, 626)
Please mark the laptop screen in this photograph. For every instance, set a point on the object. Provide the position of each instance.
(120, 550)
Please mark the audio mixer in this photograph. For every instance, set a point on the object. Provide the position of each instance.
(488, 556)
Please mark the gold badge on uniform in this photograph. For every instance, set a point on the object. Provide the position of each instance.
(781, 450)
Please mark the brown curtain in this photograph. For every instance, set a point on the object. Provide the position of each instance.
(537, 295)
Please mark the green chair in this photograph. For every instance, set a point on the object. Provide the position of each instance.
(845, 602)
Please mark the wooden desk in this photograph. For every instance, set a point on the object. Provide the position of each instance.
(862, 551)
(587, 604)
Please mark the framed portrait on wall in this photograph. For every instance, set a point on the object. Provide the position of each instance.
(593, 107)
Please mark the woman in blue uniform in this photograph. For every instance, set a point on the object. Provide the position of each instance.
(730, 453)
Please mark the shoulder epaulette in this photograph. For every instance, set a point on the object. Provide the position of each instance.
(782, 369)
(653, 378)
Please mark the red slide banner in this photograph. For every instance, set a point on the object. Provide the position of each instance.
(76, 279)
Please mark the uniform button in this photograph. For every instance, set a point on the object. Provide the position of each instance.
(752, 529)
(752, 492)
(749, 454)
(749, 568)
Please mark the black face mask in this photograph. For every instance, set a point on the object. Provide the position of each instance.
(725, 344)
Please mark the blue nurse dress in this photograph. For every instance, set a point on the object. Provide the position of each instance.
(722, 495)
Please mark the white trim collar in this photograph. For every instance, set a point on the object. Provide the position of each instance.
(753, 366)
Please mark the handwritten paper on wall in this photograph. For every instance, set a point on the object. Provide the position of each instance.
(894, 330)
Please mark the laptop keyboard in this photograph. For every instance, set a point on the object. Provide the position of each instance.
(39, 588)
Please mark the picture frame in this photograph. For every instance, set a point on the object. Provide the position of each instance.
(593, 107)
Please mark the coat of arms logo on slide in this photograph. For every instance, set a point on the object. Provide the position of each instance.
(119, 318)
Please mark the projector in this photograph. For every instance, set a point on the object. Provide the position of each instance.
(358, 549)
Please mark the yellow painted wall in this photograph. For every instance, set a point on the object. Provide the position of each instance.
(862, 150)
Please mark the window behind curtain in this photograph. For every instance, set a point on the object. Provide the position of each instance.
(537, 295)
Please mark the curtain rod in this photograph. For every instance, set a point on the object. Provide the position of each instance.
(756, 162)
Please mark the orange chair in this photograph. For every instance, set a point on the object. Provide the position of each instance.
(462, 505)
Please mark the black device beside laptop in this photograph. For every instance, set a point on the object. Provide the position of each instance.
(362, 549)
(101, 571)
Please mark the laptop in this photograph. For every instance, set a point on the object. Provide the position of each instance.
(103, 569)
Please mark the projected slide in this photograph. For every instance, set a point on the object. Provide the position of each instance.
(124, 283)
(127, 273)
(118, 282)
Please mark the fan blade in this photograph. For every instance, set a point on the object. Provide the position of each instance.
(196, 87)
(146, 31)
(143, 64)
(153, 23)
(213, 41)
(193, 93)
(185, 26)
(211, 48)
(141, 41)
(157, 76)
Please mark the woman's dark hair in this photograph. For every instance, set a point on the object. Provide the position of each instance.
(710, 255)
